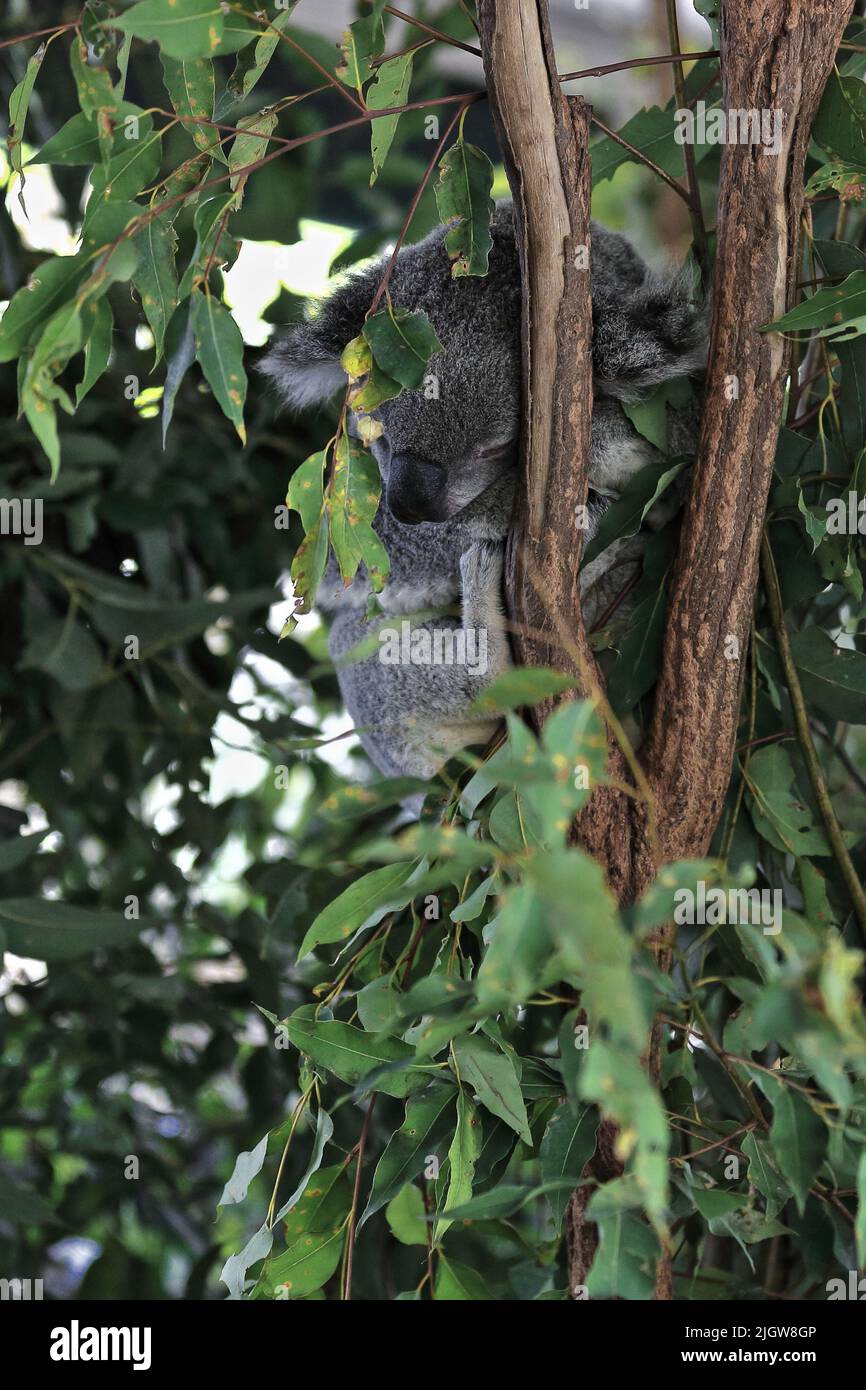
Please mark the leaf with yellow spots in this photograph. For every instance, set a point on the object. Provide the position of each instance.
(127, 172)
(190, 86)
(352, 502)
(369, 386)
(220, 350)
(322, 1204)
(251, 144)
(391, 88)
(466, 207)
(360, 44)
(253, 59)
(308, 569)
(98, 323)
(187, 29)
(306, 1265)
(305, 489)
(155, 278)
(96, 95)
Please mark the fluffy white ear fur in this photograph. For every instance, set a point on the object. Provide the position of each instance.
(302, 381)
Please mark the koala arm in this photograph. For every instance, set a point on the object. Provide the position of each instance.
(413, 713)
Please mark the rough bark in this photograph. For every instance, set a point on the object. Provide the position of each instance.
(776, 55)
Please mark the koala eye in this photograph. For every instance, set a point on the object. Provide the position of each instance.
(495, 449)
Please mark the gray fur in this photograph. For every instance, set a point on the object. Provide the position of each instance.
(448, 461)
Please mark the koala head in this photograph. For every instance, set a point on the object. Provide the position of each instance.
(448, 442)
(445, 443)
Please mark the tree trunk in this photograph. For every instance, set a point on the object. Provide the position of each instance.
(776, 56)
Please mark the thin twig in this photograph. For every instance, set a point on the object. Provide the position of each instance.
(644, 159)
(353, 1214)
(37, 34)
(637, 63)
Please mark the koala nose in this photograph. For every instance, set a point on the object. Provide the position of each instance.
(402, 513)
(415, 490)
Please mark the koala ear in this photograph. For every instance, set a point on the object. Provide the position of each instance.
(653, 332)
(305, 364)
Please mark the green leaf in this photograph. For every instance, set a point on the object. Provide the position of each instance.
(155, 278)
(616, 1080)
(405, 1216)
(840, 125)
(463, 1154)
(324, 1133)
(187, 29)
(492, 1075)
(53, 282)
(248, 1165)
(624, 516)
(19, 103)
(523, 685)
(180, 348)
(711, 11)
(18, 849)
(833, 678)
(253, 59)
(831, 306)
(96, 94)
(220, 350)
(649, 414)
(307, 1264)
(458, 1283)
(628, 1251)
(860, 1220)
(305, 489)
(320, 1205)
(351, 1054)
(567, 1146)
(190, 86)
(520, 957)
(402, 344)
(409, 1147)
(77, 142)
(390, 88)
(354, 905)
(652, 131)
(592, 943)
(763, 1172)
(466, 207)
(66, 651)
(54, 931)
(352, 502)
(360, 44)
(251, 144)
(308, 566)
(99, 328)
(799, 1141)
(126, 173)
(234, 1270)
(777, 812)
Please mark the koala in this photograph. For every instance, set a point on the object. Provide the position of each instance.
(448, 457)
